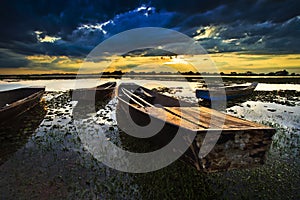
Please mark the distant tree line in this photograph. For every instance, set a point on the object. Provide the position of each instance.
(247, 73)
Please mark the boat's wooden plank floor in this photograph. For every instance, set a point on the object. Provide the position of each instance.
(202, 118)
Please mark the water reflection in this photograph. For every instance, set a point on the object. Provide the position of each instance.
(15, 133)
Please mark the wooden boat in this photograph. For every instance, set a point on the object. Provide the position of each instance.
(98, 93)
(232, 92)
(241, 143)
(92, 99)
(17, 101)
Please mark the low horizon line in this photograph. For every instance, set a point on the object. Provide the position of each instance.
(120, 72)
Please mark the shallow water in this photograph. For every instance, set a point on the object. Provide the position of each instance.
(286, 119)
(63, 85)
(52, 162)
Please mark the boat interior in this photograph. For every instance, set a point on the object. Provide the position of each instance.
(190, 116)
(133, 94)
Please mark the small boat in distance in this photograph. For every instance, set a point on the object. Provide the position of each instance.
(232, 92)
(242, 144)
(98, 93)
(17, 101)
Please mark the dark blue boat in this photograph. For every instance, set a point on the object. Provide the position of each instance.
(228, 92)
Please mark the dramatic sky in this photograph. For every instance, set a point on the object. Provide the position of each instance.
(55, 36)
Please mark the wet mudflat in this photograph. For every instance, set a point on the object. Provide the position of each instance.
(52, 161)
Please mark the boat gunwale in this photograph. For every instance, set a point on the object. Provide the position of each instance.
(97, 88)
(233, 88)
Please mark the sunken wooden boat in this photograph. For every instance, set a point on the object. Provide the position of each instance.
(99, 93)
(17, 101)
(241, 144)
(89, 100)
(231, 92)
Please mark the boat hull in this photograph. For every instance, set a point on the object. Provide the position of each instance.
(89, 100)
(99, 93)
(162, 138)
(234, 149)
(22, 105)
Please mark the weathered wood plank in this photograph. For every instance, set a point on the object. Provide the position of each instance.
(209, 118)
(199, 119)
(164, 115)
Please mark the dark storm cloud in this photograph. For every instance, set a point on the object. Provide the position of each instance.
(10, 59)
(77, 26)
(218, 11)
(267, 37)
(55, 17)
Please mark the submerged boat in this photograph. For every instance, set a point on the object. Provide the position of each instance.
(242, 144)
(17, 101)
(92, 99)
(98, 93)
(231, 92)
